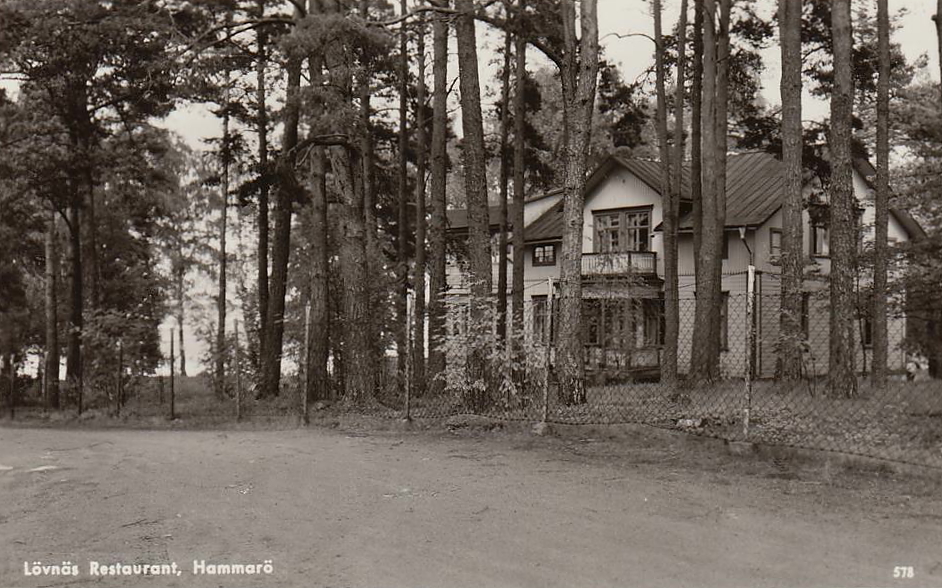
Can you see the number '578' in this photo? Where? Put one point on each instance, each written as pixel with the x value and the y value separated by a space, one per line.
pixel 903 572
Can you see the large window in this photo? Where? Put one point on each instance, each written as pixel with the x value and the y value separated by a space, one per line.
pixel 623 323
pixel 544 254
pixel 623 230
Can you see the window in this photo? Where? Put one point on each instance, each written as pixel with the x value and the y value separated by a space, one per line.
pixel 820 244
pixel 653 312
pixel 544 254
pixel 775 243
pixel 623 230
pixel 724 321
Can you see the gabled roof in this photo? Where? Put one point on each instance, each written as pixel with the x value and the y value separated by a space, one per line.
pixel 754 191
pixel 869 173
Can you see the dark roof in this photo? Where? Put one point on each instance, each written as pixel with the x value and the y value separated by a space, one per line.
pixel 458 218
pixel 754 189
pixel 548 226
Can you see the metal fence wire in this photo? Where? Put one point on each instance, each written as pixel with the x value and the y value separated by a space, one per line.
pixel 746 400
pixel 623 347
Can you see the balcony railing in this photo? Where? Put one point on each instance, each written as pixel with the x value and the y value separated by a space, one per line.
pixel 618 264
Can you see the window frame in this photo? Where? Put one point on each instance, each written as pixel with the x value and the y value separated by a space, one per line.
pixel 533 254
pixel 815 243
pixel 622 230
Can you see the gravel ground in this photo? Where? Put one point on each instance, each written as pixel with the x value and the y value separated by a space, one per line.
pixel 353 506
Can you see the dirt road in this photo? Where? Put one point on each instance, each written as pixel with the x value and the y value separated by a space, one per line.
pixel 330 508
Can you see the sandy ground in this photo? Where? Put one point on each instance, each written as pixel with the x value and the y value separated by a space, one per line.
pixel 421 509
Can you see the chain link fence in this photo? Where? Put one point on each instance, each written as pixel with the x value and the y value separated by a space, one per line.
pixel 746 400
pixel 623 347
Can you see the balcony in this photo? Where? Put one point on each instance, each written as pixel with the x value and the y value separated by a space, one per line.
pixel 639 263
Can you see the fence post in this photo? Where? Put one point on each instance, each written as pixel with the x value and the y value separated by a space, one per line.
pixel 409 358
pixel 172 360
pixel 306 365
pixel 119 392
pixel 548 328
pixel 238 368
pixel 750 344
pixel 12 362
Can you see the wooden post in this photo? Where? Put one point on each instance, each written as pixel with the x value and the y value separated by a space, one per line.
pixel 306 366
pixel 410 360
pixel 750 344
pixel 119 386
pixel 12 363
pixel 548 327
pixel 172 359
pixel 238 370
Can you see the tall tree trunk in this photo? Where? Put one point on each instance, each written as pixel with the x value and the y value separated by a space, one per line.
pixel 359 363
pixel 51 360
pixel 705 342
pixel 402 241
pixel 418 281
pixel 843 209
pixel 792 255
pixel 479 242
pixel 579 76
pixel 373 253
pixel 319 333
pixel 672 215
pixel 281 246
pixel 261 91
pixel 437 202
pixel 937 17
pixel 669 356
pixel 878 322
pixel 180 287
pixel 719 152
pixel 73 363
pixel 520 117
pixel 220 371
pixel 696 133
pixel 504 179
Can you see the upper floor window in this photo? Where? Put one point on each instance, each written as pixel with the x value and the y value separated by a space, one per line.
pixel 623 230
pixel 544 254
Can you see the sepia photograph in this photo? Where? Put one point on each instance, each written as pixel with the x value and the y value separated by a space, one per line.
pixel 471 293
